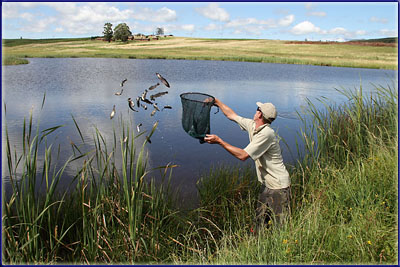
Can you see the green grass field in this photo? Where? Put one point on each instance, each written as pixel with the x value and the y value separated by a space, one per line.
pixel 250 50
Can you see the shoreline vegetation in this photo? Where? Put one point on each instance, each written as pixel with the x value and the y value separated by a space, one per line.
pixel 344 198
pixel 375 54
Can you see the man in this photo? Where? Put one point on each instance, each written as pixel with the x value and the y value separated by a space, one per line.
pixel 264 149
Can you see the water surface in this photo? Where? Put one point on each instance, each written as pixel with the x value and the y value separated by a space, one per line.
pixel 85 87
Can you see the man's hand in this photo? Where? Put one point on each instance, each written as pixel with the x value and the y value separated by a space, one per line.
pixel 235 151
pixel 212 139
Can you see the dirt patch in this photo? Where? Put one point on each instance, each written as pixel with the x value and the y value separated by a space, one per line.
pixel 344 43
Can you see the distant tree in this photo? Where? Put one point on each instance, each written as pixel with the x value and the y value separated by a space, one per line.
pixel 122 32
pixel 160 31
pixel 108 32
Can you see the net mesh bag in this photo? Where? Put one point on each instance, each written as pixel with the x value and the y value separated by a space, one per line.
pixel 196 114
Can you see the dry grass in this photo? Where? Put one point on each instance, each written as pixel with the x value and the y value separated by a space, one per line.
pixel 252 50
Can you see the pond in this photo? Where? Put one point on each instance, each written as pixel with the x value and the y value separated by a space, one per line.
pixel 86 87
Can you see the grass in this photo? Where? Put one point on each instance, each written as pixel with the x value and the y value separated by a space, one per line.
pixel 11 60
pixel 344 198
pixel 251 50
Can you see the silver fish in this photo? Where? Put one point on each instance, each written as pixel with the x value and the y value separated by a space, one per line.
pixel 138 101
pixel 138 127
pixel 153 112
pixel 143 96
pixel 155 106
pixel 131 104
pixel 122 83
pixel 119 93
pixel 167 107
pixel 162 79
pixel 125 139
pixel 112 113
pixel 152 97
pixel 147 101
pixel 154 86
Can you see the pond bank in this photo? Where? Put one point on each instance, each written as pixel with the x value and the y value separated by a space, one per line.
pixel 248 50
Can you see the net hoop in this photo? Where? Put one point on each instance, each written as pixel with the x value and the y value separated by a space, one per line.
pixel 185 95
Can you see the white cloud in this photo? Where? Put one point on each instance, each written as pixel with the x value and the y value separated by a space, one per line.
pixel 388 33
pixel 213 27
pixel 337 30
pixel 286 21
pixel 40 25
pixel 305 27
pixel 213 12
pixel 309 5
pixel 171 28
pixel 161 15
pixel 317 14
pixel 378 20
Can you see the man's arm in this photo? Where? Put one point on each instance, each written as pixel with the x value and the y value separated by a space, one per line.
pixel 235 151
pixel 229 113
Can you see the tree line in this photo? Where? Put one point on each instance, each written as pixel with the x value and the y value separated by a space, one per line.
pixel 122 32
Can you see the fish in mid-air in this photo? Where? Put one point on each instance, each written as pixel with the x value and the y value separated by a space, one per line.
pixel 154 86
pixel 138 127
pixel 153 97
pixel 162 79
pixel 153 112
pixel 131 104
pixel 119 93
pixel 156 107
pixel 122 83
pixel 167 107
pixel 112 113
pixel 138 101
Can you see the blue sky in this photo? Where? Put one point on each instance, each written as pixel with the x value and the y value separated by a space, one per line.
pixel 337 21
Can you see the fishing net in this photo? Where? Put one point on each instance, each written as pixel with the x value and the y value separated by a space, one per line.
pixel 196 114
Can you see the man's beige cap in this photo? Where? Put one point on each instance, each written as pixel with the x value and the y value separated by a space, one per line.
pixel 268 110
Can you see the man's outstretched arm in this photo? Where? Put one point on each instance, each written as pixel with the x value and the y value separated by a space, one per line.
pixel 229 113
pixel 235 151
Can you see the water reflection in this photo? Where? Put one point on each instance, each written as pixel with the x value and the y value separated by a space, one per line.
pixel 85 87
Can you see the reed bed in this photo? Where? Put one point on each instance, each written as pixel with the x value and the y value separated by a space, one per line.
pixel 111 212
pixel 344 193
pixel 344 198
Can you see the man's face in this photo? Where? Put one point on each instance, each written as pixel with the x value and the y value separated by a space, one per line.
pixel 257 115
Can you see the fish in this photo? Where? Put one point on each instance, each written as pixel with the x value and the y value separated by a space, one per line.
pixel 144 106
pixel 143 96
pixel 147 101
pixel 155 106
pixel 138 127
pixel 122 83
pixel 167 107
pixel 131 104
pixel 162 79
pixel 112 113
pixel 152 97
pixel 125 139
pixel 138 101
pixel 153 112
pixel 119 93
pixel 154 86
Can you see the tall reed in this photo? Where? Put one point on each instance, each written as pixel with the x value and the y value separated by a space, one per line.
pixel 113 210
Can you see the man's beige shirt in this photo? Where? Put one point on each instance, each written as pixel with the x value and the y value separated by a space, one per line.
pixel 264 149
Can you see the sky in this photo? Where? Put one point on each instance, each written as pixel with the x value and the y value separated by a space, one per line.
pixel 335 21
